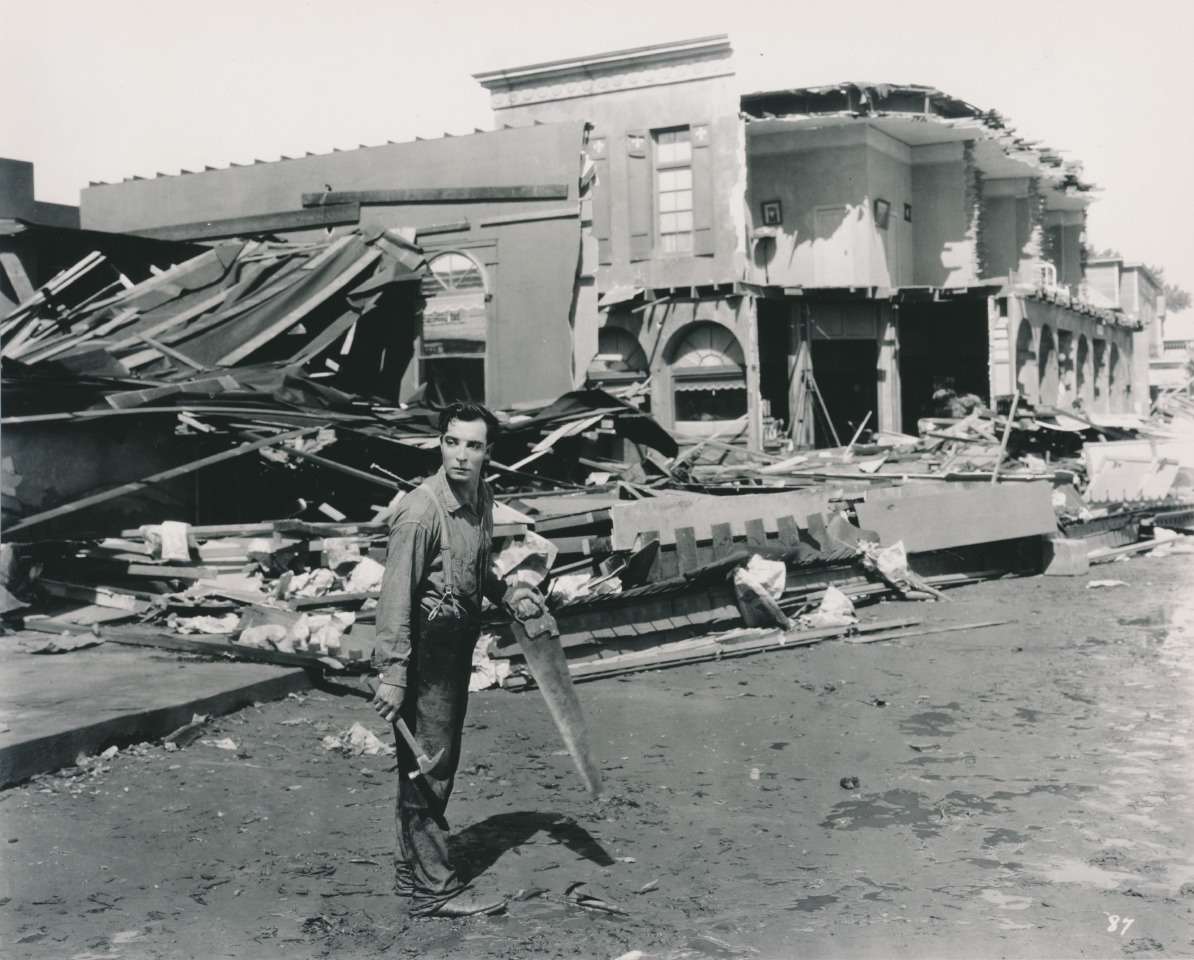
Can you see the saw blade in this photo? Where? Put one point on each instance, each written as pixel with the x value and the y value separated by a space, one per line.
pixel 548 665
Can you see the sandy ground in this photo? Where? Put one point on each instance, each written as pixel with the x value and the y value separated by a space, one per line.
pixel 1024 791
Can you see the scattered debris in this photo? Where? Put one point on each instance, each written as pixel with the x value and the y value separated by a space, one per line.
pixel 357 741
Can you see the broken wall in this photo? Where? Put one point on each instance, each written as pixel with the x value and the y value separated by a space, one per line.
pixel 526 243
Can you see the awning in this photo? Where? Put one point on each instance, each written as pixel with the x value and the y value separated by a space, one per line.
pixel 727 383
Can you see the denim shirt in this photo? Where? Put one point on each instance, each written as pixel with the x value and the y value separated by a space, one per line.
pixel 414 567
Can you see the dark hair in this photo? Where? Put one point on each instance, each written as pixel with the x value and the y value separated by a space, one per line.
pixel 467 410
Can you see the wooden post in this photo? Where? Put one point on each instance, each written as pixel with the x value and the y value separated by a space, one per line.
pixel 1007 432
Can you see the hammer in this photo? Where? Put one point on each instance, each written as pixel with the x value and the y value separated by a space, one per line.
pixel 426 764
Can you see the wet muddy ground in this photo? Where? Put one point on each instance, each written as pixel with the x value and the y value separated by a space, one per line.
pixel 1023 791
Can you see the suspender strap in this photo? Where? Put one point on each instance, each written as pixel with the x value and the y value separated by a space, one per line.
pixel 444 547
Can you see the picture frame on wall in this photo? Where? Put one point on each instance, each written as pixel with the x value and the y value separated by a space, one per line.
pixel 773 213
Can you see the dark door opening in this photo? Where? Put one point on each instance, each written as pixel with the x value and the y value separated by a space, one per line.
pixel 943 359
pixel 775 337
pixel 846 374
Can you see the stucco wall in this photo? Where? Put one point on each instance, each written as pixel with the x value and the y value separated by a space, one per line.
pixel 1006 223
pixel 812 171
pixel 613 114
pixel 943 243
pixel 807 170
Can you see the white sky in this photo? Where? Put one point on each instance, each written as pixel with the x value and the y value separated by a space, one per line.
pixel 104 89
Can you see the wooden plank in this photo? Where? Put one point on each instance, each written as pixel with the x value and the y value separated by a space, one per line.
pixel 756 534
pixel 723 540
pixel 16 275
pixel 294 316
pixel 543 191
pixel 735 643
pixel 331 600
pixel 70 342
pixel 224 649
pixel 669 563
pixel 930 517
pixel 789 532
pixel 91 594
pixel 686 550
pixel 656 569
pixel 126 488
pixel 326 337
pixel 527 216
pixel 326 215
pixel 815 524
pixel 173 354
pixel 163 325
pixel 455 226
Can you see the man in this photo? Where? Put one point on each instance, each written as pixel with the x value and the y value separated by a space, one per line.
pixel 428 622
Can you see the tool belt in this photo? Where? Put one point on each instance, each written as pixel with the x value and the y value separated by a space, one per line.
pixel 444 614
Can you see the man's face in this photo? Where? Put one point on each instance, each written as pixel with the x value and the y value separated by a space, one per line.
pixel 464 446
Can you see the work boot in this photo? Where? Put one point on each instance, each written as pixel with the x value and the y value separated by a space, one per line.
pixel 464 905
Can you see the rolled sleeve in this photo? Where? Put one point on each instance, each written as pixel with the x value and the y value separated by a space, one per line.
pixel 406 565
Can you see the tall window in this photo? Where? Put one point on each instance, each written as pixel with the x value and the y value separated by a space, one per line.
pixel 455 329
pixel 673 188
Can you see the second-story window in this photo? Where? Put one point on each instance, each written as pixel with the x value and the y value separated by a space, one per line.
pixel 673 189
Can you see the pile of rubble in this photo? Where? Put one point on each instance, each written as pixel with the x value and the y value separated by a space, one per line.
pixel 657 549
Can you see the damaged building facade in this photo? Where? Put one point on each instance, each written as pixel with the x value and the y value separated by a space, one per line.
pixel 813 260
pixel 498 215
pixel 787 265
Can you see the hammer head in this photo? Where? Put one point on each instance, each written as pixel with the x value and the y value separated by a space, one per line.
pixel 426 764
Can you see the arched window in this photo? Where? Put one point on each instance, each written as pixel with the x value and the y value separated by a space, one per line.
pixel 455 329
pixel 620 358
pixel 708 374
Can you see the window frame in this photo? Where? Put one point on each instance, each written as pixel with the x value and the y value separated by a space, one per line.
pixel 659 167
pixel 480 357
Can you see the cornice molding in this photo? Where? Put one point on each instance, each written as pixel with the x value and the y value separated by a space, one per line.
pixel 628 69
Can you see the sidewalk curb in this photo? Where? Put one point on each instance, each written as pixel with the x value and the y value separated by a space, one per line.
pixel 20 761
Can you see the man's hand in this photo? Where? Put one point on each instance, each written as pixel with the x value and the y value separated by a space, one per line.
pixel 387 698
pixel 524 602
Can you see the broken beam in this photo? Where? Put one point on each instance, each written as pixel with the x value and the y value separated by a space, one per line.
pixel 170 474
pixel 542 191
pixel 329 215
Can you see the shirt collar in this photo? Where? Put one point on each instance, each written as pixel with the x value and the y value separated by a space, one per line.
pixel 452 502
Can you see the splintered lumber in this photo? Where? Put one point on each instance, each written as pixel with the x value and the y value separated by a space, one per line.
pixel 101 596
pixel 222 648
pixel 1111 553
pixel 346 277
pixel 931 517
pixel 734 643
pixel 902 634
pixel 126 488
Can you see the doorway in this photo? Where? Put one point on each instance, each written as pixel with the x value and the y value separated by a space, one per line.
pixel 943 359
pixel 774 337
pixel 846 373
